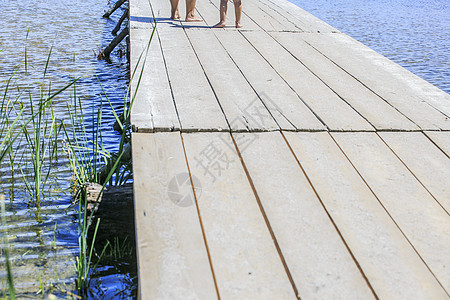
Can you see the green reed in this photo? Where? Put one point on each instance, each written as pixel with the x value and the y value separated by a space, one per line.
pixel 85 153
pixel 31 136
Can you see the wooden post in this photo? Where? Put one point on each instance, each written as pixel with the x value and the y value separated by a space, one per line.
pixel 122 18
pixel 112 9
pixel 105 53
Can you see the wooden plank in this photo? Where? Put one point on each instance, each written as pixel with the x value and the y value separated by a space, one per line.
pixel 161 11
pixel 394 84
pixel 290 202
pixel 197 107
pixel 304 20
pixel 245 260
pixel 210 13
pixel 401 78
pixel 418 215
pixel 141 15
pixel 283 103
pixel 378 112
pixel 278 13
pixel 392 267
pixel 267 18
pixel 425 161
pixel 441 139
pixel 264 19
pixel 172 257
pixel 153 108
pixel 243 109
pixel 331 109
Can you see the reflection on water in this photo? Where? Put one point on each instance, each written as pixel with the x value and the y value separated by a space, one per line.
pixel 413 33
pixel 44 239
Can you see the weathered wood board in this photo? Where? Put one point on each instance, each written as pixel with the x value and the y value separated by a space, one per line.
pixel 427 162
pixel 284 105
pixel 241 105
pixel 441 139
pixel 308 87
pixel 283 160
pixel 245 260
pixel 423 221
pixel 153 107
pixel 172 257
pixel 316 256
pixel 373 108
pixel 197 106
pixel 391 265
pixel 384 78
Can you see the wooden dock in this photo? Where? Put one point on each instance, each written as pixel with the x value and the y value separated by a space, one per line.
pixel 284 160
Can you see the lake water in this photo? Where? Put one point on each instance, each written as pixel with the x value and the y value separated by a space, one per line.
pixel 413 33
pixel 44 240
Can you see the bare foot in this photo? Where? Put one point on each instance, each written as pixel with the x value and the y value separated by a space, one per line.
pixel 238 25
pixel 219 25
pixel 175 15
pixel 193 19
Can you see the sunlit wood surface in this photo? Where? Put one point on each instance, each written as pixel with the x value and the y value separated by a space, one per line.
pixel 283 160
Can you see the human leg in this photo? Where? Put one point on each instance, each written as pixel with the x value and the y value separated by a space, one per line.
pixel 238 12
pixel 223 14
pixel 190 9
pixel 175 15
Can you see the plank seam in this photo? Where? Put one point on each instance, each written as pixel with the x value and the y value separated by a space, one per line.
pixel 206 76
pixel 437 146
pixel 390 216
pixel 284 17
pixel 165 65
pixel 331 218
pixel 423 185
pixel 339 96
pixel 200 219
pixel 266 219
pixel 332 29
pixel 248 81
pixel 370 88
pixel 282 78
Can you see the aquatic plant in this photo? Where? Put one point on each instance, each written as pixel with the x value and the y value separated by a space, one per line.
pixel 120 249
pixel 31 136
pixel 85 155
